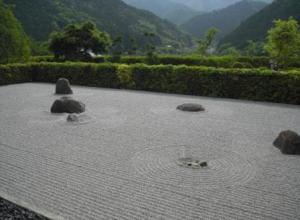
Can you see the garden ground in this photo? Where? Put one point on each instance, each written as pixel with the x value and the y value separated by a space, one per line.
pixel 121 160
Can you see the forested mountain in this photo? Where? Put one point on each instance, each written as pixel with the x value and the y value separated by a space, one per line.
pixel 256 27
pixel 175 12
pixel 209 5
pixel 14 44
pixel 226 20
pixel 41 17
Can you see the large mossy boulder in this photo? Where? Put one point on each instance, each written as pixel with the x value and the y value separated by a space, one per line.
pixel 288 142
pixel 67 105
pixel 63 87
pixel 190 107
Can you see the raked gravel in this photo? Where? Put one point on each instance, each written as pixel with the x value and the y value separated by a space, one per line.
pixel 121 160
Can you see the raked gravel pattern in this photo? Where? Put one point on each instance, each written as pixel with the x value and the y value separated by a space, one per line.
pixel 121 160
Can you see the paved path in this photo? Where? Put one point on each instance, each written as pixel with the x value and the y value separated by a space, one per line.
pixel 120 161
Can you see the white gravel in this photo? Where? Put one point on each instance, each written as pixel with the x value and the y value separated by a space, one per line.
pixel 121 160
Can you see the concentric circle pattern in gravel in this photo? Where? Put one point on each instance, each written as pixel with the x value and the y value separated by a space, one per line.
pixel 160 164
pixel 121 160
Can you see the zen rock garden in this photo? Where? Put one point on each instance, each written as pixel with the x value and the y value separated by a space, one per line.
pixel 120 154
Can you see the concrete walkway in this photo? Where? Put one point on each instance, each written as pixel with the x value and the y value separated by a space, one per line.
pixel 120 160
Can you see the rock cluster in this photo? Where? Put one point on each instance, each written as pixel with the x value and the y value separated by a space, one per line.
pixel 288 142
pixel 63 87
pixel 190 107
pixel 67 105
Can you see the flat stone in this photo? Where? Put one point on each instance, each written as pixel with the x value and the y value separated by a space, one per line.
pixel 73 118
pixel 63 87
pixel 190 107
pixel 67 105
pixel 288 142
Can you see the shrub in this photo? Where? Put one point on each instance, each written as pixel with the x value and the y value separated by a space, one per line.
pixel 252 84
pixel 15 73
pixel 124 73
pixel 239 65
pixel 220 62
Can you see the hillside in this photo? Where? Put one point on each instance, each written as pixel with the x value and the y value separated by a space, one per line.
pixel 209 5
pixel 40 18
pixel 226 20
pixel 166 9
pixel 255 28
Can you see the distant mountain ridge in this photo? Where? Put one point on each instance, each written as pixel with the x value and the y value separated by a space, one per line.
pixel 40 18
pixel 225 20
pixel 167 9
pixel 256 27
pixel 210 5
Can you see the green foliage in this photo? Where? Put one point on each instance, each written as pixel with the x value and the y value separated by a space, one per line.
pixel 205 44
pixel 116 49
pixel 39 48
pixel 77 42
pixel 14 44
pixel 252 84
pixel 189 60
pixel 254 49
pixel 224 61
pixel 124 73
pixel 240 65
pixel 151 57
pixel 42 17
pixel 228 50
pixel 133 47
pixel 283 41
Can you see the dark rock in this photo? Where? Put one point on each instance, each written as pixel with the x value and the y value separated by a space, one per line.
pixel 190 107
pixel 288 142
pixel 72 118
pixel 203 164
pixel 67 105
pixel 63 87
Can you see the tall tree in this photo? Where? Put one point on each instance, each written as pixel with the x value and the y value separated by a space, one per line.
pixel 78 42
pixel 283 41
pixel 14 44
pixel 204 45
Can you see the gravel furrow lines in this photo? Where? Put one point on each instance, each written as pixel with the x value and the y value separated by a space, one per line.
pixel 265 211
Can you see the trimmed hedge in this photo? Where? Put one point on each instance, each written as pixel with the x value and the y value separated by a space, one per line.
pixel 220 62
pixel 252 84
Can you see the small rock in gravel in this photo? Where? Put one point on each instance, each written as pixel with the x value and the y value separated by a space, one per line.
pixel 72 118
pixel 190 107
pixel 63 87
pixel 288 142
pixel 203 164
pixel 67 105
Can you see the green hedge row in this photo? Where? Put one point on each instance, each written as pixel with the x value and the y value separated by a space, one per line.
pixel 252 84
pixel 221 62
pixel 224 62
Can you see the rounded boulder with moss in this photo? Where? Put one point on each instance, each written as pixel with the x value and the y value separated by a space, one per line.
pixel 67 105
pixel 63 87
